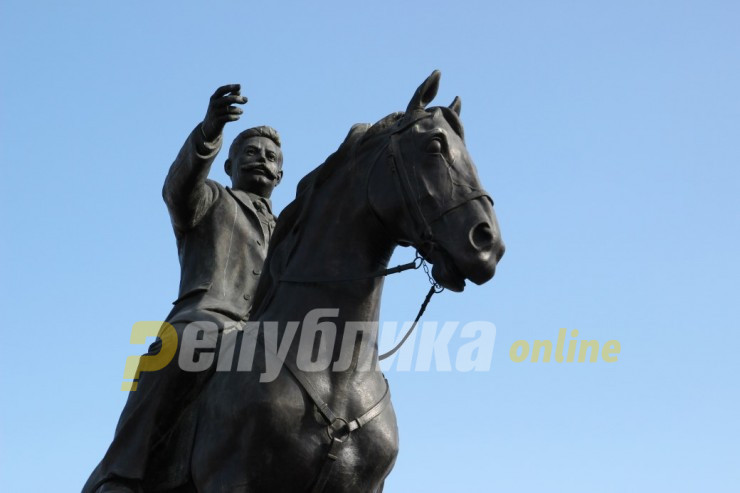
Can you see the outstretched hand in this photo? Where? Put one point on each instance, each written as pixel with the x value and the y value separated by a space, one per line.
pixel 220 110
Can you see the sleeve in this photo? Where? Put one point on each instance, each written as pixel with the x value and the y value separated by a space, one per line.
pixel 187 192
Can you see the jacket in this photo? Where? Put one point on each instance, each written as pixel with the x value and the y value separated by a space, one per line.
pixel 222 237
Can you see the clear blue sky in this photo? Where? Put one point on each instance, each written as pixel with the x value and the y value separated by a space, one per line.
pixel 608 133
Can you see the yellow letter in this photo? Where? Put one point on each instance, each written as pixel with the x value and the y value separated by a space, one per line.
pixel 136 364
pixel 610 347
pixel 559 346
pixel 536 350
pixel 515 349
pixel 594 345
pixel 572 347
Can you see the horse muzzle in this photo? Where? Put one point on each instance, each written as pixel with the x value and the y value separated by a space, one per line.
pixel 469 245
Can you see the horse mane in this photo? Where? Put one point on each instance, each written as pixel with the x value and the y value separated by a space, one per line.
pixel 286 235
pixel 382 125
pixel 388 123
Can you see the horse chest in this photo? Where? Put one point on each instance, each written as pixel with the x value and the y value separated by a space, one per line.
pixel 296 436
pixel 290 436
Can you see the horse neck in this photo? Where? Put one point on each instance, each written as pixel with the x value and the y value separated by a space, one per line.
pixel 341 238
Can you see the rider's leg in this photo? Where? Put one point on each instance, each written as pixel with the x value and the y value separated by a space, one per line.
pixel 148 414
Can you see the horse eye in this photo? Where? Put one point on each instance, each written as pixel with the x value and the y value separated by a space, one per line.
pixel 435 146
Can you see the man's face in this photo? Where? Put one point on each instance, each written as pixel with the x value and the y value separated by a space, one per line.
pixel 257 168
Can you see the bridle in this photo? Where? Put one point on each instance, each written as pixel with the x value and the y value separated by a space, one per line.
pixel 424 236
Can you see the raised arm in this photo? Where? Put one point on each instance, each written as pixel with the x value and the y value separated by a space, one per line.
pixel 185 190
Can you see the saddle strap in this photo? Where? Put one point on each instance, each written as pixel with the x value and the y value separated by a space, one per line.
pixel 339 431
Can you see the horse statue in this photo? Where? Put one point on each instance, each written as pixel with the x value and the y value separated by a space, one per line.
pixel 406 180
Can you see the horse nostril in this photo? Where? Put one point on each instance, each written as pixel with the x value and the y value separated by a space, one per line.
pixel 481 236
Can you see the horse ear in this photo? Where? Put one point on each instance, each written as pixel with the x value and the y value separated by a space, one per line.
pixel 456 105
pixel 425 93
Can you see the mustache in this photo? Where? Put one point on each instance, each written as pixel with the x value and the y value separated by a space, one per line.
pixel 261 167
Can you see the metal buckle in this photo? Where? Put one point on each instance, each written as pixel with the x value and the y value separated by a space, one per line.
pixel 336 426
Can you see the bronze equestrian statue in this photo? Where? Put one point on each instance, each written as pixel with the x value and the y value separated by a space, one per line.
pixel 330 427
pixel 406 180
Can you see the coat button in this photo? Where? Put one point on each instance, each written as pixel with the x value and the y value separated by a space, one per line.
pixel 247 297
pixel 256 272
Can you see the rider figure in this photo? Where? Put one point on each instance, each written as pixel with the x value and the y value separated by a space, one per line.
pixel 222 236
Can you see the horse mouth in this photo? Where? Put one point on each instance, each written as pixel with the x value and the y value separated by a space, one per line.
pixel 445 272
pixel 451 272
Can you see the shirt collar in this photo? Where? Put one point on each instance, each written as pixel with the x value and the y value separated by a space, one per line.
pixel 256 199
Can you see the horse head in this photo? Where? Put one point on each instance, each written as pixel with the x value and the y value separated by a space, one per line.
pixel 426 192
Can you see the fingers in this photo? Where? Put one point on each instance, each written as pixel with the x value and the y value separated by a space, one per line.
pixel 220 109
pixel 232 111
pixel 228 114
pixel 232 100
pixel 228 88
pixel 226 108
pixel 224 104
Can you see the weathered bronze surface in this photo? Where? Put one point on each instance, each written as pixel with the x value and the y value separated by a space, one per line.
pixel 406 180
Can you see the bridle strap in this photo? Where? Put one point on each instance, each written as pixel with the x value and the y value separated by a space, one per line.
pixel 411 202
pixel 410 199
